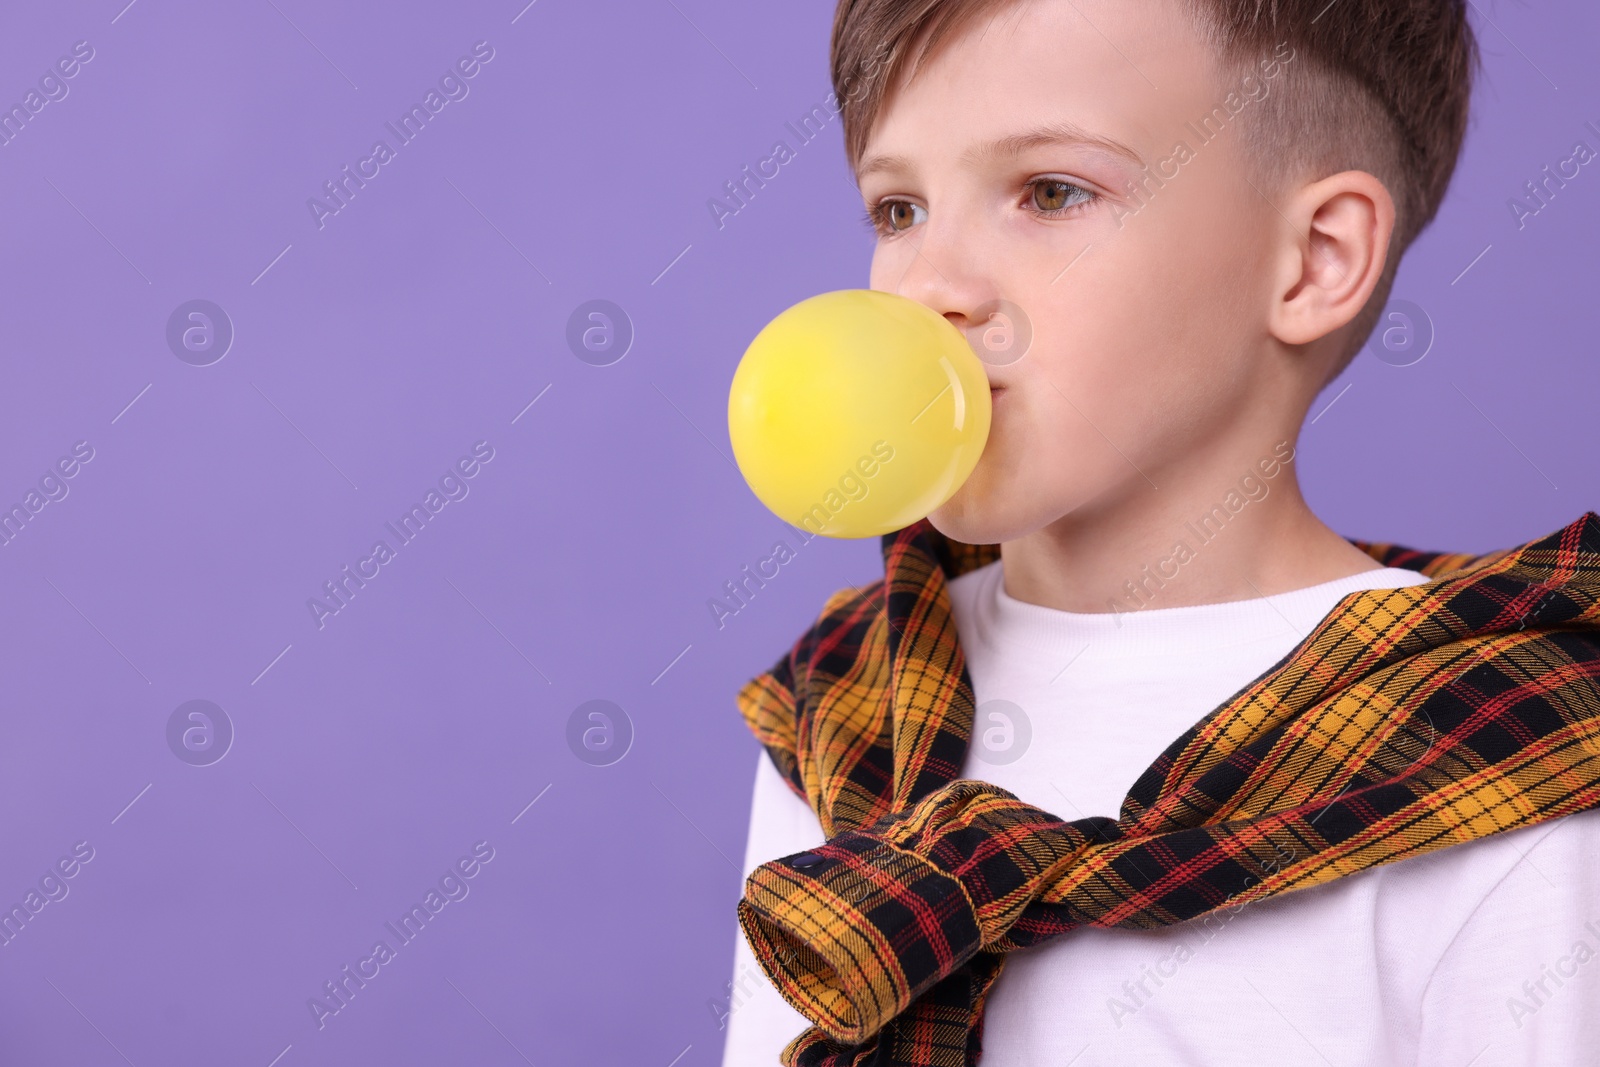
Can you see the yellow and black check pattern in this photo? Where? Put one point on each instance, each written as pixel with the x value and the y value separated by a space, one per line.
pixel 1409 720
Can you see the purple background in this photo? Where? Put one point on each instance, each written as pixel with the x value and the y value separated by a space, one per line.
pixel 371 353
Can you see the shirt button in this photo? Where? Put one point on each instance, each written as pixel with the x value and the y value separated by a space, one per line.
pixel 806 860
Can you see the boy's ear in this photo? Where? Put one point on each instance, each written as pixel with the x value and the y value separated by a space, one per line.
pixel 1333 255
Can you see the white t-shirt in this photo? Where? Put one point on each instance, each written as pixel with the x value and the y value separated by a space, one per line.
pixel 1484 953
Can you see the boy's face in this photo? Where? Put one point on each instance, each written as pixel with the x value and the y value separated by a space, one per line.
pixel 1149 339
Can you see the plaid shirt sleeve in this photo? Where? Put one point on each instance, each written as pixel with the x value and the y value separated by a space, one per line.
pixel 856 930
pixel 769 704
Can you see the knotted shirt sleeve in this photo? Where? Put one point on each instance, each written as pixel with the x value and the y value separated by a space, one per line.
pixel 852 932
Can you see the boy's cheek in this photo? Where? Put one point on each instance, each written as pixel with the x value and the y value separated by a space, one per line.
pixel 1048 460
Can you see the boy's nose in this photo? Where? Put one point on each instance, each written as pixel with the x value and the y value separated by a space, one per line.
pixel 940 284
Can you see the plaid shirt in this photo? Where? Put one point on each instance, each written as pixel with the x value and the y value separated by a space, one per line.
pixel 1408 720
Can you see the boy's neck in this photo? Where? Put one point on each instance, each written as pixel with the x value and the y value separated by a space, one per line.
pixel 1178 547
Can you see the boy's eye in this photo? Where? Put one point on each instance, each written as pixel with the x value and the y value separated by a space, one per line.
pixel 1053 194
pixel 900 215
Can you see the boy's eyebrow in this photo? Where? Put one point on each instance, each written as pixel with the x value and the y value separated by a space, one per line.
pixel 1055 133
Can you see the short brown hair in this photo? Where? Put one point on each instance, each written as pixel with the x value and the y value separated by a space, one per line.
pixel 1384 87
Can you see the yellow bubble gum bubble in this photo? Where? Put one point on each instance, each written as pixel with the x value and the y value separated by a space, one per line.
pixel 857 412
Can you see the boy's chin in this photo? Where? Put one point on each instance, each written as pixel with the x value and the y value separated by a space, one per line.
pixel 967 519
pixel 995 505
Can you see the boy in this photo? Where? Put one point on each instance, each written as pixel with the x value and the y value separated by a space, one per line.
pixel 1124 716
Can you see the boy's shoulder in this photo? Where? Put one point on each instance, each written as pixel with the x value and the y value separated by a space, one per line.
pixel 919 562
pixel 905 615
pixel 842 711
